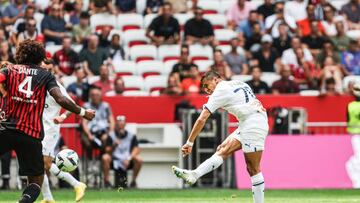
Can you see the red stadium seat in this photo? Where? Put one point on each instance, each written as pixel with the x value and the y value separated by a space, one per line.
pixel 130 22
pixel 169 52
pixel 155 83
pixel 135 38
pixel 148 68
pixel 223 36
pixel 125 68
pixel 209 7
pixel 98 21
pixel 133 82
pixel 199 52
pixel 218 21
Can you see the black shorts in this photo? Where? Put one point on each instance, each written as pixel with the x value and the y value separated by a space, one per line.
pixel 28 151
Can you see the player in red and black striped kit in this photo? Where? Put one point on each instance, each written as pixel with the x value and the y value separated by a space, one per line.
pixel 26 85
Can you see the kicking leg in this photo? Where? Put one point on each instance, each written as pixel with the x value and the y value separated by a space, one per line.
pixel 253 167
pixel 226 149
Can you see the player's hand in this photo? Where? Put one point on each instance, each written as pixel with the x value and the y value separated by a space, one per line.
pixel 89 114
pixel 59 119
pixel 186 150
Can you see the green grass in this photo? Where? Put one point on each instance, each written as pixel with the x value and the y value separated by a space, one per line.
pixel 200 195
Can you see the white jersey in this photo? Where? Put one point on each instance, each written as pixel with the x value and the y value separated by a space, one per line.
pixel 237 98
pixel 51 110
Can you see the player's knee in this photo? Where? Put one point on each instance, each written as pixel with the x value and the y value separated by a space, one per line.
pixel 47 163
pixel 252 170
pixel 106 158
pixel 223 152
pixel 138 160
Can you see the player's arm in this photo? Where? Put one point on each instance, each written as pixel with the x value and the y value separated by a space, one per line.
pixel 198 126
pixel 67 104
pixel 66 114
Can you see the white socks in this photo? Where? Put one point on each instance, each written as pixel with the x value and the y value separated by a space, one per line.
pixel 258 187
pixel 208 165
pixel 63 175
pixel 45 189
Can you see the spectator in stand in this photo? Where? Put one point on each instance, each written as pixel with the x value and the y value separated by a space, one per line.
pixel 104 37
pixel 296 9
pixel 5 52
pixel 221 66
pixel 350 58
pixel 82 31
pixel 54 26
pixel 93 56
pixel 331 69
pixel 282 42
pixel 330 88
pixel 119 87
pixel 103 6
pixel 289 55
pixel 285 85
pixel 125 6
pixel 30 31
pixel 13 11
pixel 126 153
pixel 2 34
pixel 179 6
pixel 315 41
pixel 105 83
pixel 173 86
pixel 320 5
pixel 199 30
pixel 257 85
pixel 117 53
pixel 66 59
pixel 340 40
pixel 330 20
pixel 165 27
pixel 79 89
pixel 252 42
pixel 96 132
pixel 267 58
pixel 237 61
pixel 191 85
pixel 272 22
pixel 20 24
pixel 239 12
pixel 246 26
pixel 327 50
pixel 301 71
pixel 305 24
pixel 153 6
pixel 266 9
pixel 351 11
pixel 182 68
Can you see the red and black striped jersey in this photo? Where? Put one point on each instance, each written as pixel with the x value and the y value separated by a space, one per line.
pixel 26 86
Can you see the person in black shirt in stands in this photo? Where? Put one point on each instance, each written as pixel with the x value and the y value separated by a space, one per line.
pixel 165 28
pixel 266 9
pixel 267 57
pixel 198 29
pixel 282 42
pixel 257 85
pixel 182 69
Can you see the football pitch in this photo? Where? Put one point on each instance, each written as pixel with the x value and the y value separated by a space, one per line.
pixel 199 195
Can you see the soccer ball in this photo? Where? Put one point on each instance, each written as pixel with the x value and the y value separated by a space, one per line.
pixel 67 160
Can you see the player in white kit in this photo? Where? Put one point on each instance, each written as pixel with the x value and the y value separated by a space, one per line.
pixel 238 99
pixel 51 121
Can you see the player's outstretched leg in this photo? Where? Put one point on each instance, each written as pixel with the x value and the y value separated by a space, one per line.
pixel 226 149
pixel 45 189
pixel 78 186
pixel 253 167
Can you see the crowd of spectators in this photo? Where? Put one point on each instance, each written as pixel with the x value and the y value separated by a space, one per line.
pixel 304 42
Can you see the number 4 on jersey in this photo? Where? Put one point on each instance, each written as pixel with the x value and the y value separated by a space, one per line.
pixel 26 82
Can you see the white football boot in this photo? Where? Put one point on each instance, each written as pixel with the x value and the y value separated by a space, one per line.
pixel 187 175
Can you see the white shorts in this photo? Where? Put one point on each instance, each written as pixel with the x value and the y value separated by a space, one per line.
pixel 49 143
pixel 252 133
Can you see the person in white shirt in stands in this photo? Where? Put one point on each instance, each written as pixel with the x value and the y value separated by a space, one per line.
pixel 289 56
pixel 238 99
pixel 296 9
pixel 272 22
